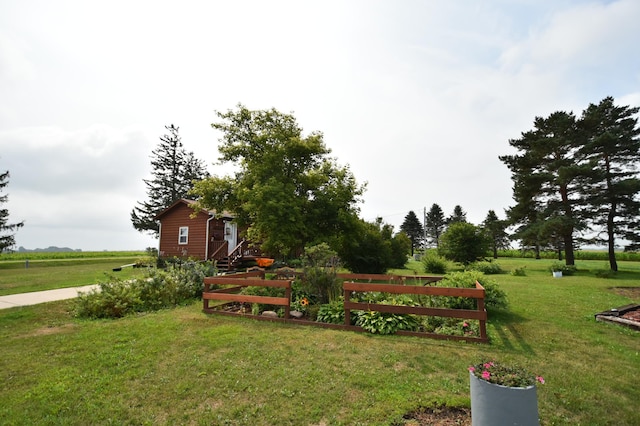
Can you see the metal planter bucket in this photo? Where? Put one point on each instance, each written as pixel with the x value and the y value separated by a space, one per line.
pixel 493 404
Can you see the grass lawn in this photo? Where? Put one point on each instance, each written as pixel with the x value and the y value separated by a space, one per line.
pixel 15 277
pixel 181 366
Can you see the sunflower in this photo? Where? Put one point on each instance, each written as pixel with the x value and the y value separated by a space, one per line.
pixel 304 301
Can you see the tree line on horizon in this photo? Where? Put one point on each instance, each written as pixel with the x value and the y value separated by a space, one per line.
pixel 575 180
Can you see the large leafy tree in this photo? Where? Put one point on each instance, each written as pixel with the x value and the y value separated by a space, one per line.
pixel 7 230
pixel 547 181
pixel 495 230
pixel 174 171
pixel 612 152
pixel 463 242
pixel 287 191
pixel 371 247
pixel 435 224
pixel 413 229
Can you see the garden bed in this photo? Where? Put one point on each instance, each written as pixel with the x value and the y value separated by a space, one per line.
pixel 628 315
pixel 226 291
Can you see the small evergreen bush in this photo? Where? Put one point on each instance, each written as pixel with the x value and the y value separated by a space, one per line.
pixel 434 264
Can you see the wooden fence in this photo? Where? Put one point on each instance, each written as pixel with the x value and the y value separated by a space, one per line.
pixel 376 283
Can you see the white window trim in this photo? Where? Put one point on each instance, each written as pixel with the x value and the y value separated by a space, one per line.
pixel 183 235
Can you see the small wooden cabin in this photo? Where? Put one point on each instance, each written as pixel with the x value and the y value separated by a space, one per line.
pixel 203 236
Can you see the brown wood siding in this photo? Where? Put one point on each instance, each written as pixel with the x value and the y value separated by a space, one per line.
pixel 171 222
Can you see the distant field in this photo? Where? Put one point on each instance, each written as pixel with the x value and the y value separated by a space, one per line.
pixel 68 255
pixel 46 274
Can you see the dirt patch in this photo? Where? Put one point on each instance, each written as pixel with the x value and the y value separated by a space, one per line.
pixel 632 293
pixel 439 416
pixel 632 315
pixel 51 330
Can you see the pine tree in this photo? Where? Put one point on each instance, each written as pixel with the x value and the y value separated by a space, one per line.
pixel 413 228
pixel 612 152
pixel 174 172
pixel 458 216
pixel 7 237
pixel 495 229
pixel 435 224
pixel 548 175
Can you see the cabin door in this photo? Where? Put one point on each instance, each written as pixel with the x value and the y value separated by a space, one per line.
pixel 231 235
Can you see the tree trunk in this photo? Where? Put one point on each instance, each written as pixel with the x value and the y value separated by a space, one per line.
pixel 613 264
pixel 568 251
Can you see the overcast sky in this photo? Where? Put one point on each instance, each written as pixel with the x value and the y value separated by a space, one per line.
pixel 419 98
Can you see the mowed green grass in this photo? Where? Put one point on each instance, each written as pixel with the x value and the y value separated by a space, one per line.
pixel 16 277
pixel 183 367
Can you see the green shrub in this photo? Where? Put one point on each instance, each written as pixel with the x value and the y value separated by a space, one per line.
pixel 320 280
pixel 384 322
pixel 434 264
pixel 266 292
pixel 564 268
pixel 494 297
pixel 519 271
pixel 158 290
pixel 332 312
pixel 487 268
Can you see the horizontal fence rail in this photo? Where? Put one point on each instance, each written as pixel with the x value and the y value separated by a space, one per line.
pixel 477 293
pixel 231 286
pixel 230 294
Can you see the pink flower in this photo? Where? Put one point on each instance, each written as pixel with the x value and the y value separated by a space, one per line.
pixel 465 324
pixel 472 369
pixel 488 365
pixel 540 379
pixel 486 375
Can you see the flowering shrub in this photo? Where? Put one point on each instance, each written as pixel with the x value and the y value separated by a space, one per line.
pixel 511 376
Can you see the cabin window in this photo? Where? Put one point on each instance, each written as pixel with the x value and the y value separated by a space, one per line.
pixel 183 235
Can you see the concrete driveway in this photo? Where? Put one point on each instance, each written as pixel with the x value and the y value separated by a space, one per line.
pixel 33 298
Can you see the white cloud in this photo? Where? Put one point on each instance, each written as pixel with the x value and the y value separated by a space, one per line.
pixel 418 98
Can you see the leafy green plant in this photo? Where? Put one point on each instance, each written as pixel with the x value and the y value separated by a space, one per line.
pixel 332 312
pixel 320 278
pixel 451 326
pixel 494 297
pixel 519 271
pixel 264 291
pixel 487 268
pixel 505 375
pixel 384 322
pixel 562 267
pixel 434 264
pixel 157 290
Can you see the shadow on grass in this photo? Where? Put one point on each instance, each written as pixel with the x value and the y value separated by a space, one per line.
pixel 502 325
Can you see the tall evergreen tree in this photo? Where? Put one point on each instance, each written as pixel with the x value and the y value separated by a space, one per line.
pixel 495 230
pixel 547 170
pixel 414 230
pixel 435 224
pixel 7 236
pixel 458 216
pixel 612 152
pixel 174 171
